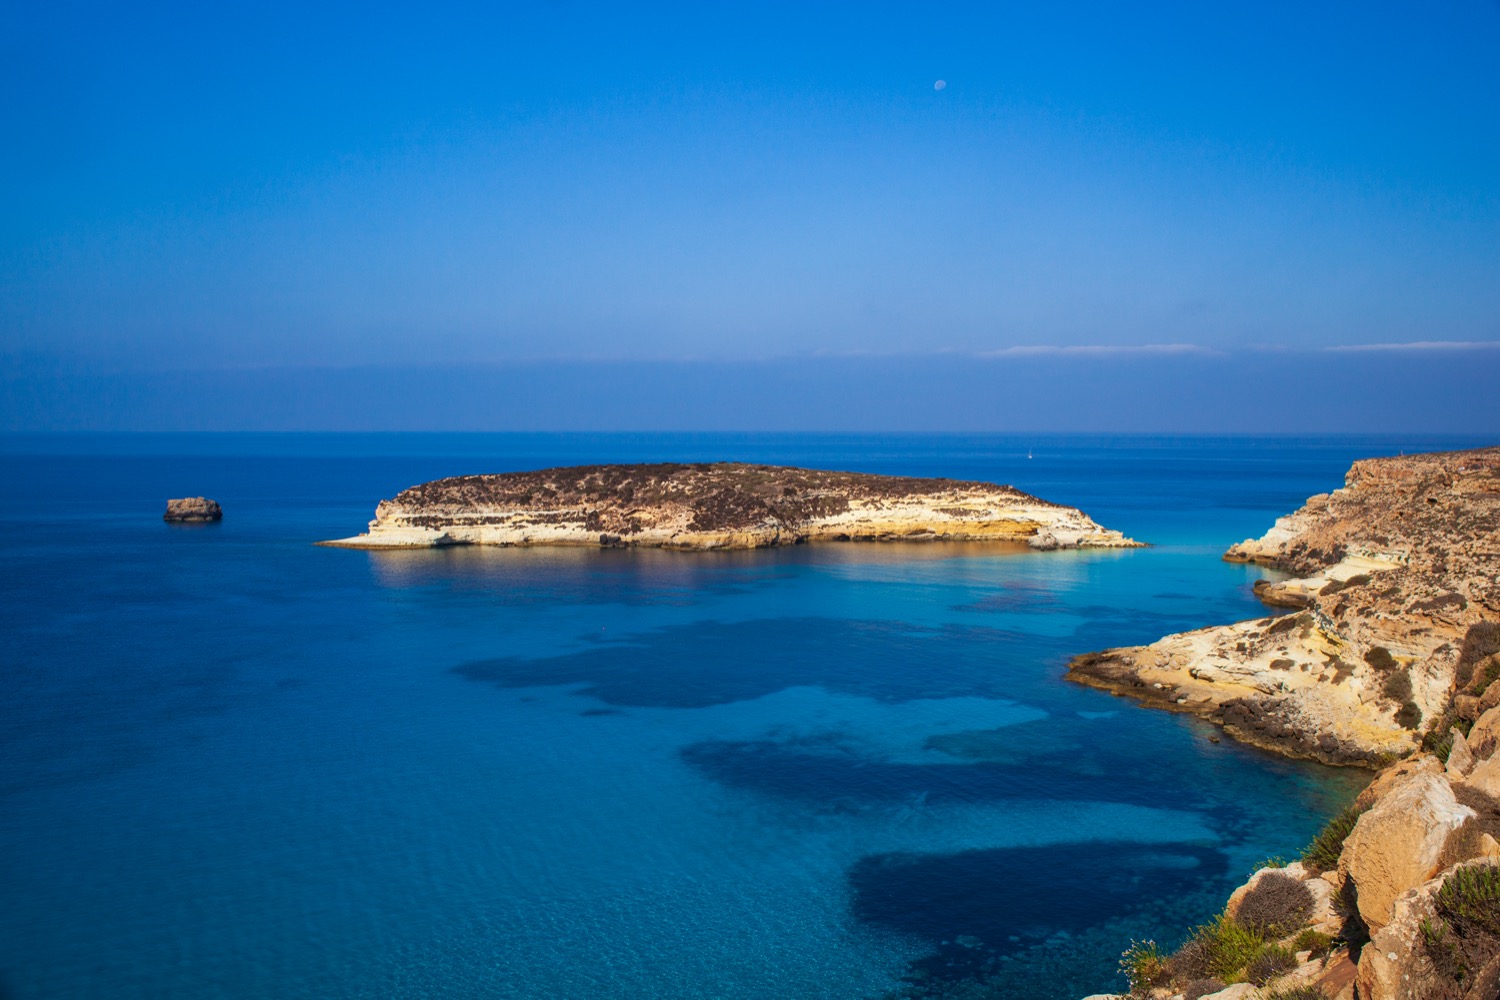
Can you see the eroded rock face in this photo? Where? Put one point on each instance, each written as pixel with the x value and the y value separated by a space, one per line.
pixel 718 506
pixel 191 509
pixel 1398 590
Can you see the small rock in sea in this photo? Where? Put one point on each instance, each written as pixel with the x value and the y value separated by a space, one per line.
pixel 1213 739
pixel 193 509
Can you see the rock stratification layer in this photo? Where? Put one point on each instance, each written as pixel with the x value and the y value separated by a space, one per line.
pixel 1396 578
pixel 723 505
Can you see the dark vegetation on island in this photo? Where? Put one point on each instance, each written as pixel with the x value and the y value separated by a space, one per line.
pixel 722 495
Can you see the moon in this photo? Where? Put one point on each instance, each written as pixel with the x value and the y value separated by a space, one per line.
pixel 939 85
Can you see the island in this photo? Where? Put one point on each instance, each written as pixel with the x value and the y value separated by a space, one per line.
pixel 719 505
pixel 192 510
pixel 1388 657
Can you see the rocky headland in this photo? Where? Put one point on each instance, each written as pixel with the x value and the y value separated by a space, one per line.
pixel 722 505
pixel 1390 659
pixel 1394 582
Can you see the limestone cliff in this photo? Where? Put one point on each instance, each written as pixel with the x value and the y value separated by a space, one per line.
pixel 724 505
pixel 1396 578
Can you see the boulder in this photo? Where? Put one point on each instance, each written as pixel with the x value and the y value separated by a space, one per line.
pixel 191 509
pixel 1393 954
pixel 1394 847
pixel 1394 776
pixel 1460 758
pixel 1485 777
pixel 1485 736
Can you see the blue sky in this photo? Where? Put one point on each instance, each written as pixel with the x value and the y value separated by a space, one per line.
pixel 389 202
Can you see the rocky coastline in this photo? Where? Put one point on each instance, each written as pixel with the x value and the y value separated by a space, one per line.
pixel 1388 659
pixel 722 505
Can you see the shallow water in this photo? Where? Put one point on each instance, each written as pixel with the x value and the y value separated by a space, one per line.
pixel 238 765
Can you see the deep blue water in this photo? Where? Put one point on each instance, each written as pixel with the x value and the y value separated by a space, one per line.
pixel 234 764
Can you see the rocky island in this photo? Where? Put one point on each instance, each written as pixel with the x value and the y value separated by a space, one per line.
pixel 192 510
pixel 1392 651
pixel 721 505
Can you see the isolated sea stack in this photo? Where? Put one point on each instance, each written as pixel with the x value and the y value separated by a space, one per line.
pixel 723 505
pixel 193 510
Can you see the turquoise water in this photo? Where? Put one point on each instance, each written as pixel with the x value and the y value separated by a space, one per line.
pixel 238 765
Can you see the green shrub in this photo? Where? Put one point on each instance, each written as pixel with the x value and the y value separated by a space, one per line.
pixel 1144 967
pixel 1274 861
pixel 1278 905
pixel 1410 715
pixel 1397 686
pixel 1323 852
pixel 1438 740
pixel 1470 899
pixel 1314 941
pixel 1272 961
pixel 1380 658
pixel 1224 947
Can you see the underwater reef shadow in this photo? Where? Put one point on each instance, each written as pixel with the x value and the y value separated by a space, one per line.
pixel 713 663
pixel 976 907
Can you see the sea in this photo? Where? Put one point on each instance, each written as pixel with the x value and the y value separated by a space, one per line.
pixel 234 764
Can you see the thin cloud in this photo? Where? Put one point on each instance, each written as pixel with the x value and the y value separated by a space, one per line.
pixel 1421 345
pixel 1095 350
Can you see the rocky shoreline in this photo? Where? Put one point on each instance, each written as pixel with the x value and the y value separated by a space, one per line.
pixel 722 505
pixel 1389 659
pixel 1389 575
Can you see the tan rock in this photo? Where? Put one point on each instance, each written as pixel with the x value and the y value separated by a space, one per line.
pixel 1484 738
pixel 1338 977
pixel 1385 963
pixel 1394 964
pixel 1460 758
pixel 1395 776
pixel 1394 847
pixel 1489 847
pixel 1239 991
pixel 1485 777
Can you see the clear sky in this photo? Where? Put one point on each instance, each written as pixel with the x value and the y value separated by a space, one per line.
pixel 353 217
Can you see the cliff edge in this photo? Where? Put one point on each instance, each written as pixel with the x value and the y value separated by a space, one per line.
pixel 1396 582
pixel 723 505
